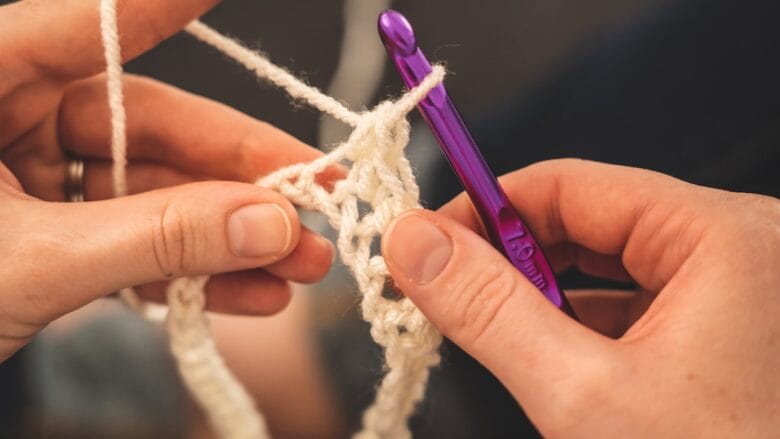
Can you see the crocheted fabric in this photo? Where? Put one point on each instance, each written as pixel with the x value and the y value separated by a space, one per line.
pixel 378 187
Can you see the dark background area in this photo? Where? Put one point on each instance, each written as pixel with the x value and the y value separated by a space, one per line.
pixel 687 87
pixel 493 49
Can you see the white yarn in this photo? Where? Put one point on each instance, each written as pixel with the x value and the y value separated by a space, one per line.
pixel 280 77
pixel 361 63
pixel 224 400
pixel 379 176
pixel 113 54
pixel 226 403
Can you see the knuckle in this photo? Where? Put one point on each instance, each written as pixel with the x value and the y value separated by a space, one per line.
pixel 245 146
pixel 764 206
pixel 479 296
pixel 751 220
pixel 760 223
pixel 564 162
pixel 175 241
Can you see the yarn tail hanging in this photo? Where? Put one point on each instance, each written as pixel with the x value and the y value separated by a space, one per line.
pixel 226 403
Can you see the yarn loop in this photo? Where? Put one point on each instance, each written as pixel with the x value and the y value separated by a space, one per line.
pixel 379 186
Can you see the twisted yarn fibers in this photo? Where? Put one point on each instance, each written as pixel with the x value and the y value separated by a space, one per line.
pixel 229 408
pixel 379 176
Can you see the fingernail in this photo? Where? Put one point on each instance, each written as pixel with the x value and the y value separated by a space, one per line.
pixel 418 248
pixel 259 230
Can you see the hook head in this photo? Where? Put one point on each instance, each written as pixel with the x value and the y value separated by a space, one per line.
pixel 397 33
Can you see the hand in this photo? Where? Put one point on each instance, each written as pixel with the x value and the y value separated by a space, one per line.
pixel 58 256
pixel 701 353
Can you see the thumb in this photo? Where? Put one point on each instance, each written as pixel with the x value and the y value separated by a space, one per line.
pixel 482 303
pixel 193 229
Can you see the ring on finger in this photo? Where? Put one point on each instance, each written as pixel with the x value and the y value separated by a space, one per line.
pixel 74 180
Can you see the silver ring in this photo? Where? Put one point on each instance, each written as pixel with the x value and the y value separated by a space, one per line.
pixel 74 181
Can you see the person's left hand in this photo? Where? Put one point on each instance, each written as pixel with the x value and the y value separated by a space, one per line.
pixel 53 106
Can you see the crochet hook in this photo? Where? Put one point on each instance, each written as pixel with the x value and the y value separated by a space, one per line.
pixel 506 230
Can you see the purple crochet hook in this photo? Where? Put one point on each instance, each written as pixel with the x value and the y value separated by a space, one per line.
pixel 504 226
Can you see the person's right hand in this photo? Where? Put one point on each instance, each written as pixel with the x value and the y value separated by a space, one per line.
pixel 697 348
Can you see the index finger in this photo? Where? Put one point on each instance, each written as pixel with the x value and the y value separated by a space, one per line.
pixel 647 218
pixel 176 128
pixel 61 38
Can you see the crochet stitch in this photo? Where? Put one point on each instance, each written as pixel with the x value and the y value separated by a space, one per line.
pixel 379 176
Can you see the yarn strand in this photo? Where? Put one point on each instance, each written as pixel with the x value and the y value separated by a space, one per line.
pixel 379 175
pixel 280 77
pixel 110 33
pixel 225 401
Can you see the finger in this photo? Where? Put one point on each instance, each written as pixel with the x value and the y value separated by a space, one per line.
pixel 61 39
pixel 560 254
pixel 608 312
pixel 477 299
pixel 46 183
pixel 248 292
pixel 141 177
pixel 565 255
pixel 309 261
pixel 647 217
pixel 179 129
pixel 8 180
pixel 199 228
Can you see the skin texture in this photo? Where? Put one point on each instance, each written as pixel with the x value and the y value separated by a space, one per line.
pixel 693 353
pixel 59 256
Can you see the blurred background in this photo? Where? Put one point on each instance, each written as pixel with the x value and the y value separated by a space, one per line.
pixel 686 87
